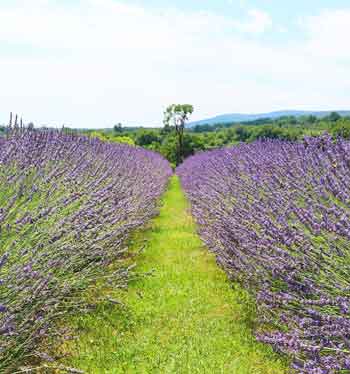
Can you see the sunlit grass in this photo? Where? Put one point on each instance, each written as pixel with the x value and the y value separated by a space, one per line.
pixel 185 318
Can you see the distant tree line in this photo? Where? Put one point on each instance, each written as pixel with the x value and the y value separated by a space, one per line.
pixel 175 145
pixel 165 140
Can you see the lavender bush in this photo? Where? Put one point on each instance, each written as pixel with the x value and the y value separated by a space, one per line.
pixel 277 216
pixel 67 204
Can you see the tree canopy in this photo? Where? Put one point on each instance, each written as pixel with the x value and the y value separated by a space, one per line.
pixel 176 115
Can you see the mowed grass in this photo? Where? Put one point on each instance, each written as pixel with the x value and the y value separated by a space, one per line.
pixel 184 318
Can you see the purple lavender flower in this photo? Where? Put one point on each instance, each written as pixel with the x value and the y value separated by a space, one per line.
pixel 277 216
pixel 68 204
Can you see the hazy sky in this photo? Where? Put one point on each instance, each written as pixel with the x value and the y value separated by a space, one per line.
pixel 93 63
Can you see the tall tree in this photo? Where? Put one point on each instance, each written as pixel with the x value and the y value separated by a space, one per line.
pixel 334 117
pixel 118 127
pixel 176 115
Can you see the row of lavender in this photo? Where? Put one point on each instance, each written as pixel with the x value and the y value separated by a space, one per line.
pixel 277 216
pixel 67 204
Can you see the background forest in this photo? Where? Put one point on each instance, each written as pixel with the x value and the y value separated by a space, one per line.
pixel 204 137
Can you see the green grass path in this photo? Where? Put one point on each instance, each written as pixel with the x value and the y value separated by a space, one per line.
pixel 185 318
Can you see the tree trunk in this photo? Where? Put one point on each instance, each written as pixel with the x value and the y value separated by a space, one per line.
pixel 181 144
pixel 179 153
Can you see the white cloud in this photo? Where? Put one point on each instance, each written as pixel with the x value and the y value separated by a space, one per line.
pixel 259 21
pixel 328 33
pixel 107 61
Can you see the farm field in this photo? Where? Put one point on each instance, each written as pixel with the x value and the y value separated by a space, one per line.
pixel 185 318
pixel 277 216
pixel 68 204
pixel 174 187
pixel 246 273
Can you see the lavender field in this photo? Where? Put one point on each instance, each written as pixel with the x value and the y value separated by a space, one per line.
pixel 276 214
pixel 67 205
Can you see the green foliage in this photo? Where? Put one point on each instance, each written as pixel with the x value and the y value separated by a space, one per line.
pixel 147 137
pixel 165 140
pixel 98 134
pixel 122 139
pixel 112 137
pixel 311 119
pixel 242 133
pixel 273 132
pixel 168 148
pixel 176 115
pixel 118 128
pixel 334 117
pixel 341 128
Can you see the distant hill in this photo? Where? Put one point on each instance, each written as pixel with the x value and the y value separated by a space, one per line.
pixel 239 117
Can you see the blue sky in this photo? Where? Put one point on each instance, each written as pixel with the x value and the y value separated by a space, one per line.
pixel 235 7
pixel 94 63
